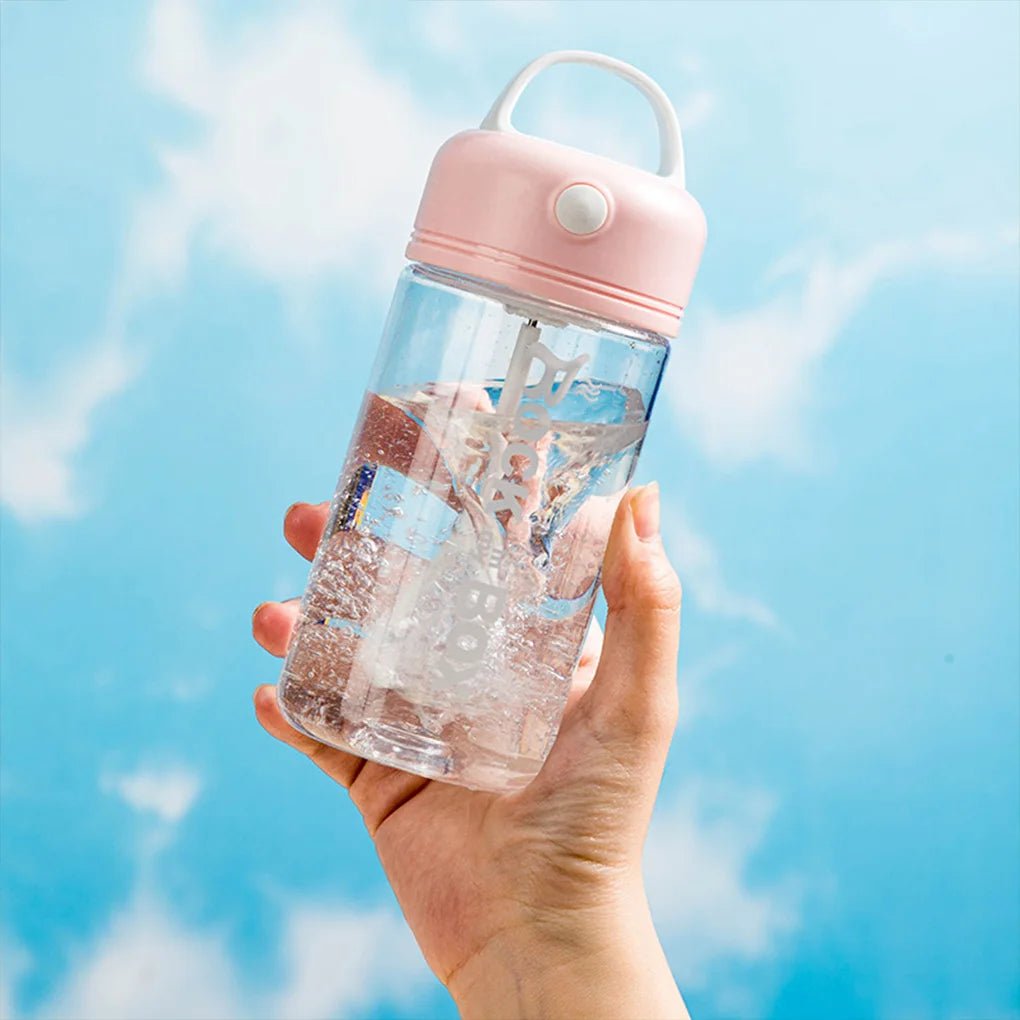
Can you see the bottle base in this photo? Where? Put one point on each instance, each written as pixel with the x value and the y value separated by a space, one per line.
pixel 424 755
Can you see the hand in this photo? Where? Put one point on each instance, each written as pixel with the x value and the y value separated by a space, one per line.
pixel 532 903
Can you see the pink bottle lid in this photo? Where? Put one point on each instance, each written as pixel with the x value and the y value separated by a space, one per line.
pixel 562 224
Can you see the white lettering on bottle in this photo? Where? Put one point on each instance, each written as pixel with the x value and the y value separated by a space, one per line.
pixel 499 494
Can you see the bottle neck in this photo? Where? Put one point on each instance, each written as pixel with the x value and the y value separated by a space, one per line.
pixel 530 307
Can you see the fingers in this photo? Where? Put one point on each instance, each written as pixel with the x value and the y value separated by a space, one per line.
pixel 337 764
pixel 272 624
pixel 633 695
pixel 303 525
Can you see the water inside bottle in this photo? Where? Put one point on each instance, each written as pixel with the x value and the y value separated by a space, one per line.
pixel 433 630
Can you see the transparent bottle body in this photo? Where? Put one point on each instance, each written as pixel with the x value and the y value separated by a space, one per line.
pixel 454 584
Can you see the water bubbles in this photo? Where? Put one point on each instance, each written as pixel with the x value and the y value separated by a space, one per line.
pixel 368 651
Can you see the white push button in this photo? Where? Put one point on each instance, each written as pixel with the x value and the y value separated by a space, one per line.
pixel 581 209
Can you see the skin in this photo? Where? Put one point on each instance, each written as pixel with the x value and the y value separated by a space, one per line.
pixel 532 903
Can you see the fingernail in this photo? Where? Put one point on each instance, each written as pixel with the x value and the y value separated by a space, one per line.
pixel 644 505
pixel 258 609
pixel 292 508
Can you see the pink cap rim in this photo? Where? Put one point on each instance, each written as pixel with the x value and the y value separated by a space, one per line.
pixel 545 280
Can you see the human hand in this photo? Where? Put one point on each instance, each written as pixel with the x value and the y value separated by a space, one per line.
pixel 532 903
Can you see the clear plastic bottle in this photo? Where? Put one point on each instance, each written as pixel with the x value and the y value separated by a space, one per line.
pixel 450 596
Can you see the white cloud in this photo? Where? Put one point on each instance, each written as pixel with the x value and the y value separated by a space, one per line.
pixel 310 160
pixel 344 959
pixel 148 963
pixel 452 29
pixel 696 109
pixel 183 686
pixel 707 911
pixel 15 963
pixel 443 29
pixel 697 563
pixel 696 679
pixel 168 793
pixel 44 427
pixel 742 382
pixel 525 11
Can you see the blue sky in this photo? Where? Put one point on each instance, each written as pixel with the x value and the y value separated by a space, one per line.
pixel 204 210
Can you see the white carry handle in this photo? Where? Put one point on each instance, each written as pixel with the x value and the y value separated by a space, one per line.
pixel 671 147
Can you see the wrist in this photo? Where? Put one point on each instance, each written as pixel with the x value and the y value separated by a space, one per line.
pixel 607 965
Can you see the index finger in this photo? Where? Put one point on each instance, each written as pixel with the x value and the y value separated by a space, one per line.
pixel 338 765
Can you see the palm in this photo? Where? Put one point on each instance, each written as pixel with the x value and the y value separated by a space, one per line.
pixel 466 864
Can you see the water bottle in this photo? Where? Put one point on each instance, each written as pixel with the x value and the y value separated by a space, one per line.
pixel 455 581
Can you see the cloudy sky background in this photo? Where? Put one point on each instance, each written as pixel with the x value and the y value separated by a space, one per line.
pixel 204 209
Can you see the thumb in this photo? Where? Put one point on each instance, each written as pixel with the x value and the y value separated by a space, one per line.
pixel 633 696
